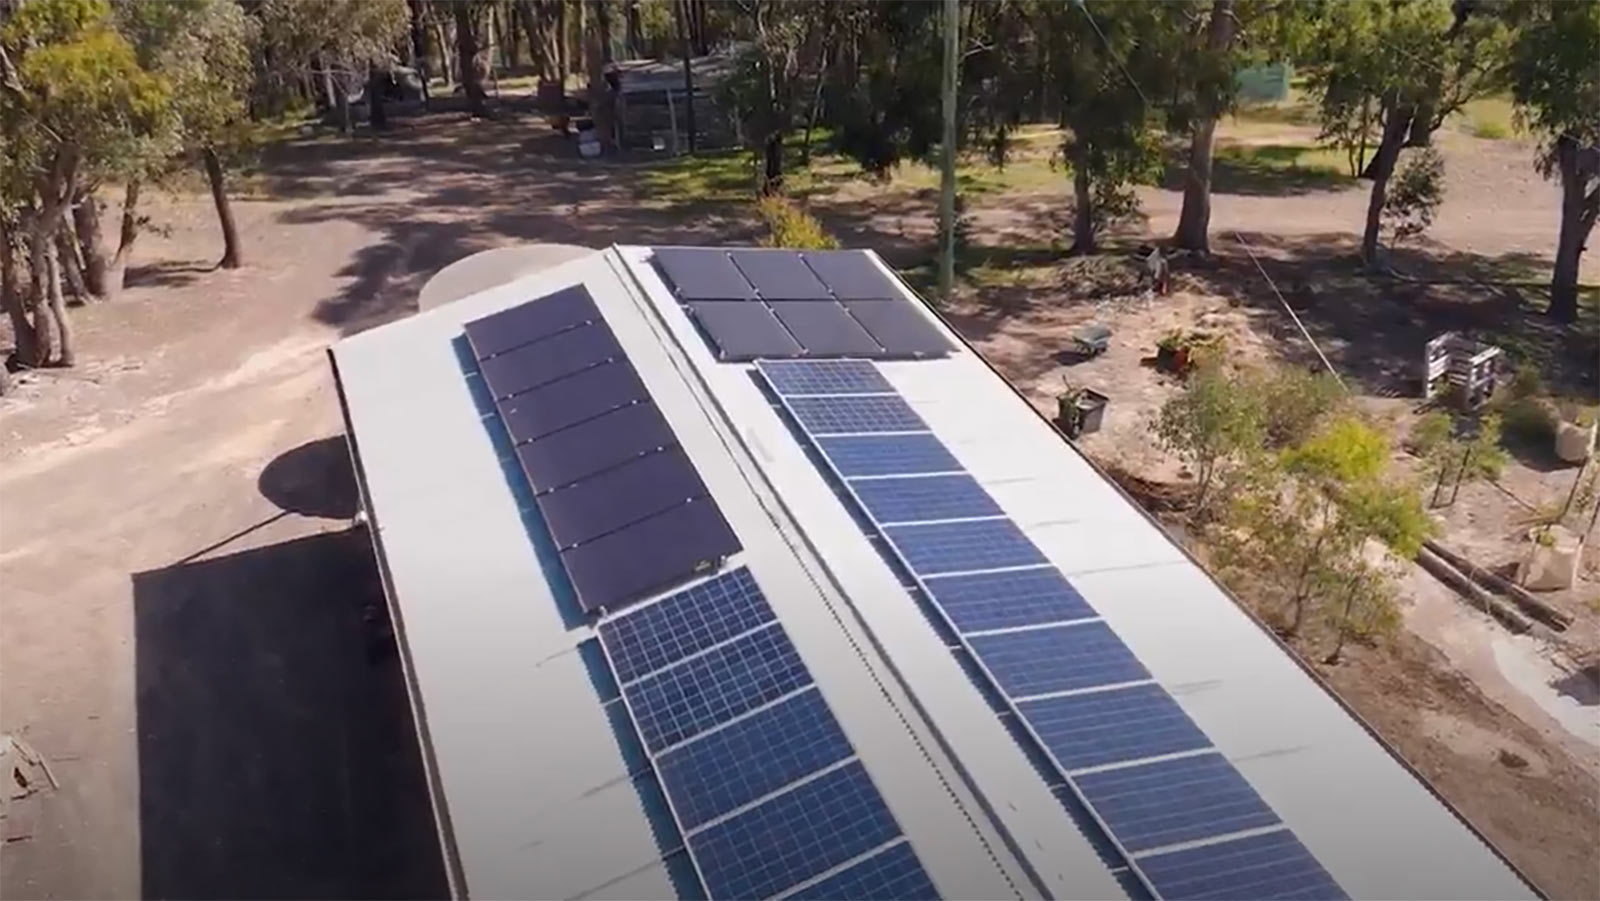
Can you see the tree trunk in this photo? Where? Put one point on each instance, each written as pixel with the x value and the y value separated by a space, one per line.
pixel 125 239
pixel 1577 166
pixel 466 59
pixel 697 27
pixel 679 14
pixel 603 17
pixel 1394 133
pixel 377 115
pixel 512 48
pixel 1344 627
pixel 772 164
pixel 86 222
pixel 446 58
pixel 1194 222
pixel 634 28
pixel 601 109
pixel 44 328
pixel 1421 133
pixel 1083 236
pixel 341 97
pixel 66 351
pixel 71 271
pixel 231 258
pixel 558 26
pixel 419 46
pixel 329 95
pixel 11 300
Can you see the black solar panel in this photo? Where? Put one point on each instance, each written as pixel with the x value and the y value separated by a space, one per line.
pixel 851 275
pixel 697 273
pixel 619 496
pixel 903 330
pixel 649 555
pixel 550 358
pixel 744 331
pixel 824 329
pixel 569 401
pixel 780 275
pixel 594 446
pixel 500 332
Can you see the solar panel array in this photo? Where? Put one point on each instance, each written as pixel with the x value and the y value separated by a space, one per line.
pixel 1187 822
pixel 766 789
pixel 627 510
pixel 780 304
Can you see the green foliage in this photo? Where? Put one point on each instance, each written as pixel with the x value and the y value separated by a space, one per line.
pixel 344 35
pixel 790 226
pixel 1554 79
pixel 1526 383
pixel 1214 423
pixel 1414 194
pixel 1529 419
pixel 1488 460
pixel 1295 401
pixel 1431 433
pixel 1347 451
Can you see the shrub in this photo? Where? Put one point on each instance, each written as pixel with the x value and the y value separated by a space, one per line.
pixel 1529 419
pixel 1415 194
pixel 1295 402
pixel 1526 383
pixel 790 226
pixel 1488 460
pixel 1490 129
pixel 1431 433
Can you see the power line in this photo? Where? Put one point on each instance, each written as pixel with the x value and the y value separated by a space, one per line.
pixel 1112 52
pixel 1274 286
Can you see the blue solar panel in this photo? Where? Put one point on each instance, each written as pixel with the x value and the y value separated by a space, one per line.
pixel 1057 658
pixel 691 620
pixel 893 874
pixel 1112 726
pixel 1153 805
pixel 861 413
pixel 795 836
pixel 792 377
pixel 716 773
pixel 925 498
pixel 951 547
pixel 1272 866
pixel 884 455
pixel 683 701
pixel 1029 597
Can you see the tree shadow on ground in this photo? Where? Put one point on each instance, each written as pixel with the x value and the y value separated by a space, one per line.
pixel 1582 686
pixel 502 183
pixel 166 274
pixel 1257 170
pixel 278 757
pixel 1374 327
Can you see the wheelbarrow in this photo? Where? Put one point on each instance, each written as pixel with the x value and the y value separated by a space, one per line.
pixel 1090 340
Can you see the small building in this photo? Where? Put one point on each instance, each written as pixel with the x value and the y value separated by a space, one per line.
pixel 738 573
pixel 652 105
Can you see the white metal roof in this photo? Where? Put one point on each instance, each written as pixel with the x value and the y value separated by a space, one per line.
pixel 536 797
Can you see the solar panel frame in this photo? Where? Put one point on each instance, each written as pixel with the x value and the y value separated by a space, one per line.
pixel 646 556
pixel 825 329
pixel 855 414
pixel 795 836
pixel 550 358
pixel 654 636
pixel 893 874
pixel 571 400
pixel 716 773
pixel 699 273
pixel 851 275
pixel 1031 597
pixel 1112 726
pixel 924 499
pixel 901 329
pixel 680 702
pixel 594 445
pixel 1133 801
pixel 930 549
pixel 790 378
pixel 741 331
pixel 856 457
pixel 538 318
pixel 779 275
pixel 1275 865
pixel 1057 658
pixel 622 495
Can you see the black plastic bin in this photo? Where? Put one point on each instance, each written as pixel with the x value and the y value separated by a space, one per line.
pixel 1083 413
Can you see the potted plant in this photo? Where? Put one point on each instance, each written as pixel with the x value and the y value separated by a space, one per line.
pixel 1169 348
pixel 1575 433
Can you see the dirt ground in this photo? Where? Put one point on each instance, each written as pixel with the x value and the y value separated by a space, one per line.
pixel 178 583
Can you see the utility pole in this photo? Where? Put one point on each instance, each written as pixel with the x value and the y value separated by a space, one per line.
pixel 947 183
